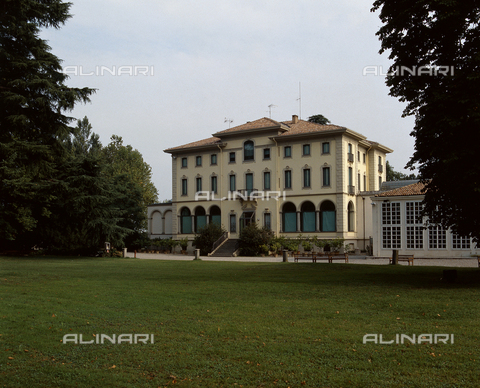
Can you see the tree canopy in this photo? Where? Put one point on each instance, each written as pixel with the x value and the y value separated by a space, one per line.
pixel 393 175
pixel 435 70
pixel 319 119
pixel 59 188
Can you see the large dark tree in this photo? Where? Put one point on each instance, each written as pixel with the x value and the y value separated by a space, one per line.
pixel 33 101
pixel 434 46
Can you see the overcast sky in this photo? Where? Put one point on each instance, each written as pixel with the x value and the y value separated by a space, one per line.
pixel 207 60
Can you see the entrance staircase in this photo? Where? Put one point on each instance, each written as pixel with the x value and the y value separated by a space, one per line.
pixel 227 249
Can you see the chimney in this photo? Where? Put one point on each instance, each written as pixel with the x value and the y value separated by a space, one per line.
pixel 294 119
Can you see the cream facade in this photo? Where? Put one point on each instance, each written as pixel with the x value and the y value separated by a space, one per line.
pixel 293 177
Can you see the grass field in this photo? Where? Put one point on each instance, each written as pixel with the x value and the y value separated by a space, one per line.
pixel 226 324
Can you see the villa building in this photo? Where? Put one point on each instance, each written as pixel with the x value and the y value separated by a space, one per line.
pixel 292 177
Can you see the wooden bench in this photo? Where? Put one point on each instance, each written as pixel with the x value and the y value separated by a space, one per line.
pixel 343 256
pixel 304 256
pixel 408 258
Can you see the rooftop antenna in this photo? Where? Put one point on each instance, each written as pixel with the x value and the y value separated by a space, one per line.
pixel 270 109
pixel 299 99
pixel 229 121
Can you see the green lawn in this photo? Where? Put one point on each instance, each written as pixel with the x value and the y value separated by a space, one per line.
pixel 234 324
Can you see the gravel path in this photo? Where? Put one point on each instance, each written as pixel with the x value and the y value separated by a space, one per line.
pixel 468 262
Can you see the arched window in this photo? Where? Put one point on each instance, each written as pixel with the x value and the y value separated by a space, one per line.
pixel 200 218
pixel 185 221
pixel 157 223
pixel 289 217
pixel 215 215
pixel 351 217
pixel 248 150
pixel 307 218
pixel 327 217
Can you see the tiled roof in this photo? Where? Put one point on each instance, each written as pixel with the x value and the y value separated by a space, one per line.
pixel 260 123
pixel 413 189
pixel 199 143
pixel 303 126
pixel 288 128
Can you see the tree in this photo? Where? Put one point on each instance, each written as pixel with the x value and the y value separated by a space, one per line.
pixel 435 70
pixel 83 141
pixel 319 119
pixel 33 100
pixel 206 236
pixel 124 160
pixel 253 238
pixel 89 210
pixel 393 175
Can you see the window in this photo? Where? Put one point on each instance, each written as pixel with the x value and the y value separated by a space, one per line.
pixel 365 183
pixel 232 157
pixel 200 219
pixel 248 150
pixel 350 153
pixel 198 161
pixel 266 180
pixel 325 148
pixel 233 222
pixel 307 217
pixel 185 221
pixel 184 187
pixel 184 162
pixel 214 184
pixel 213 159
pixel 326 176
pixel 199 184
pixel 351 217
pixel 359 182
pixel 306 150
pixel 288 179
pixel 306 177
pixel 437 237
pixel 351 187
pixel 267 221
pixel 327 217
pixel 287 151
pixel 233 183
pixel 414 228
pixel 249 183
pixel 289 217
pixel 358 156
pixel 379 182
pixel 266 153
pixel 459 242
pixel 364 158
pixel 391 230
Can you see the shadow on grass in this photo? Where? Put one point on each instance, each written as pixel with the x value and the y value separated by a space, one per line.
pixel 125 269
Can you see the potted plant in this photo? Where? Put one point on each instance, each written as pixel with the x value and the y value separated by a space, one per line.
pixel 174 244
pixel 264 250
pixel 275 246
pixel 184 245
pixel 336 244
pixel 291 245
pixel 320 244
pixel 307 244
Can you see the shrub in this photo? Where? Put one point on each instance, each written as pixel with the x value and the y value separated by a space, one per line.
pixel 252 238
pixel 206 236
